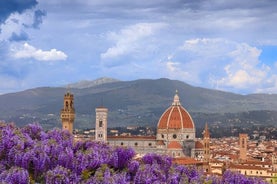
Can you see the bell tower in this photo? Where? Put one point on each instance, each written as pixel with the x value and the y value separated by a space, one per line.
pixel 206 141
pixel 101 124
pixel 243 146
pixel 68 112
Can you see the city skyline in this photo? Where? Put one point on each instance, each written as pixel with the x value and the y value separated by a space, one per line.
pixel 223 45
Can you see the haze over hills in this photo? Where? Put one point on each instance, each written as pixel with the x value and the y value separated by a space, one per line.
pixel 139 102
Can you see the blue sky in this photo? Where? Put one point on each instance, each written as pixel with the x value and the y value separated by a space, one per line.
pixel 217 44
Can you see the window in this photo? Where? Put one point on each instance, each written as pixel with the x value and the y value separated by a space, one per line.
pixel 136 144
pixel 71 104
pixel 243 143
pixel 100 123
pixel 162 135
pixel 174 136
pixel 187 136
pixel 100 135
pixel 121 143
pixel 150 144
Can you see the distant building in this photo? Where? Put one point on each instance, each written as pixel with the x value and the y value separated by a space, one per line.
pixel 101 124
pixel 175 133
pixel 243 147
pixel 206 141
pixel 68 112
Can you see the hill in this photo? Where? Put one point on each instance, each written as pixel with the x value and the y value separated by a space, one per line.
pixel 139 102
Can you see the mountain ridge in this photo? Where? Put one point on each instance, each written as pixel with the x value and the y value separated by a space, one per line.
pixel 90 83
pixel 137 102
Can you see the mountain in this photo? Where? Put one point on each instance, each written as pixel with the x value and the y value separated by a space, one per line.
pixel 139 102
pixel 90 83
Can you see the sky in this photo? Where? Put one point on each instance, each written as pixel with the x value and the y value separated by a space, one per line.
pixel 228 45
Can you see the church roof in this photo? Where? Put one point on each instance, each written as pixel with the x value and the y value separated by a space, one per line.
pixel 187 161
pixel 160 143
pixel 175 117
pixel 131 138
pixel 198 145
pixel 174 145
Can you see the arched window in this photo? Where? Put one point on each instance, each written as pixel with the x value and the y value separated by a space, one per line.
pixel 71 104
pixel 100 123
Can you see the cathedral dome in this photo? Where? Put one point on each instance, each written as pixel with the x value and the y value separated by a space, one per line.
pixel 176 117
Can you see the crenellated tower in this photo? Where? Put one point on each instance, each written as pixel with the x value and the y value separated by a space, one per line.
pixel 68 112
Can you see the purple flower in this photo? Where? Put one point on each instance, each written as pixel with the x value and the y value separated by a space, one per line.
pixel 61 175
pixel 15 175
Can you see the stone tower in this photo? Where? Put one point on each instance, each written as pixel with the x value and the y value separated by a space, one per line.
pixel 206 141
pixel 68 112
pixel 274 162
pixel 101 124
pixel 243 146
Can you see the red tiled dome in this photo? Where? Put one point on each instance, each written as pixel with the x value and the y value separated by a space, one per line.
pixel 175 117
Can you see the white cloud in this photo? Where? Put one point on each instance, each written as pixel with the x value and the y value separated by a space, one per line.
pixel 243 70
pixel 175 71
pixel 28 51
pixel 220 63
pixel 128 39
pixel 207 47
pixel 172 66
pixel 16 23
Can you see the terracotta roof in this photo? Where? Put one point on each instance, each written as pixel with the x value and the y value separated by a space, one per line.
pixel 256 162
pixel 160 143
pixel 175 117
pixel 186 161
pixel 174 145
pixel 198 145
pixel 233 166
pixel 149 138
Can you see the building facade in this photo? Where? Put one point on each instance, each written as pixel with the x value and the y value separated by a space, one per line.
pixel 175 133
pixel 101 124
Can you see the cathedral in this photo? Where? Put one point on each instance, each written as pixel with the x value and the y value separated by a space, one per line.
pixel 175 132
